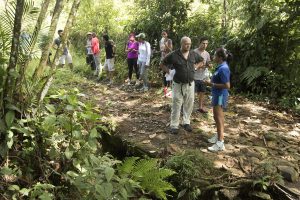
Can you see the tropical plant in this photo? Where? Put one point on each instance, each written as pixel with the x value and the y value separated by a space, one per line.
pixel 189 166
pixel 148 175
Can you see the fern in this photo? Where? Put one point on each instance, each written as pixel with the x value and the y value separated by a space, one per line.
pixel 128 165
pixel 253 73
pixel 143 166
pixel 148 174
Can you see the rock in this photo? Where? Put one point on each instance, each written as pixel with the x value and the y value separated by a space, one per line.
pixel 260 195
pixel 292 150
pixel 152 136
pixel 249 153
pixel 146 141
pixel 262 151
pixel 255 160
pixel 270 136
pixel 294 133
pixel 228 194
pixel 161 137
pixel 288 173
pixel 159 131
pixel 229 147
pixel 184 142
pixel 272 144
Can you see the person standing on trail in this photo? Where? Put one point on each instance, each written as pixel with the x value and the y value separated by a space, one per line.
pixel 89 52
pixel 96 54
pixel 220 83
pixel 109 64
pixel 166 47
pixel 66 54
pixel 202 73
pixel 144 55
pixel 184 62
pixel 132 48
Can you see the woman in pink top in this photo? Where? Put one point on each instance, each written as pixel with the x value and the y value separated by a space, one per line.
pixel 131 49
pixel 96 53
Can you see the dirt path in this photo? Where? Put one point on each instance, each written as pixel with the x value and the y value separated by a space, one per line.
pixel 254 134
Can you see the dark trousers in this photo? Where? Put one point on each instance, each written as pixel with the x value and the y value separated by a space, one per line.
pixel 132 63
pixel 90 61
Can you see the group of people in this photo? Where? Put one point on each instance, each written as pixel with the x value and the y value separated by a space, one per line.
pixel 192 75
pixel 93 55
pixel 185 71
pixel 138 59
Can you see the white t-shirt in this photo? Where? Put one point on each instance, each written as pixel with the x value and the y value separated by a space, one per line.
pixel 89 46
pixel 202 73
pixel 144 52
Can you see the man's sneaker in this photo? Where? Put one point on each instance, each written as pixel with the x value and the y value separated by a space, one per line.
pixel 187 127
pixel 219 146
pixel 174 131
pixel 129 82
pixel 213 139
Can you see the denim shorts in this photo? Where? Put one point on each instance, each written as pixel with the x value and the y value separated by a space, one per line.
pixel 220 100
pixel 200 86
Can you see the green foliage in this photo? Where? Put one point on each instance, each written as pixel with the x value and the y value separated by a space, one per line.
pixel 189 165
pixel 266 175
pixel 266 50
pixel 155 16
pixel 148 175
pixel 96 179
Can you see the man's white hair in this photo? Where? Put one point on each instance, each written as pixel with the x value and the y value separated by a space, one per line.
pixel 184 38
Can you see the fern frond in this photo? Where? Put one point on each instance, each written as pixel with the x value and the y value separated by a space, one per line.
pixel 155 184
pixel 143 166
pixel 128 165
pixel 253 73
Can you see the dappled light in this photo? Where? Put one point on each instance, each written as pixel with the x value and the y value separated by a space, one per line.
pixel 149 99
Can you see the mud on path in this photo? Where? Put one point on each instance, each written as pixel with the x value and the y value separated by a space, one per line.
pixel 253 133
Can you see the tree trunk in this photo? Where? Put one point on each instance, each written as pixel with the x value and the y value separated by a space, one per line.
pixel 11 69
pixel 45 52
pixel 68 26
pixel 34 37
pixel 37 28
pixel 224 19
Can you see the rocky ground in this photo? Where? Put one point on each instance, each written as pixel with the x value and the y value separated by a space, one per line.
pixel 254 133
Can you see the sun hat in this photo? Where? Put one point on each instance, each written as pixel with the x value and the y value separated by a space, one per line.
pixel 141 35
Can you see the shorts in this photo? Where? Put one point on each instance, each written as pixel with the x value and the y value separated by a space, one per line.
pixel 220 100
pixel 200 86
pixel 109 64
pixel 63 58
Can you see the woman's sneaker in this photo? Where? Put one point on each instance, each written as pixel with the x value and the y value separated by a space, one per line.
pixel 214 139
pixel 219 146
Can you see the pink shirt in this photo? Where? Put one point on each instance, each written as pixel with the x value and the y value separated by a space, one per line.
pixel 95 45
